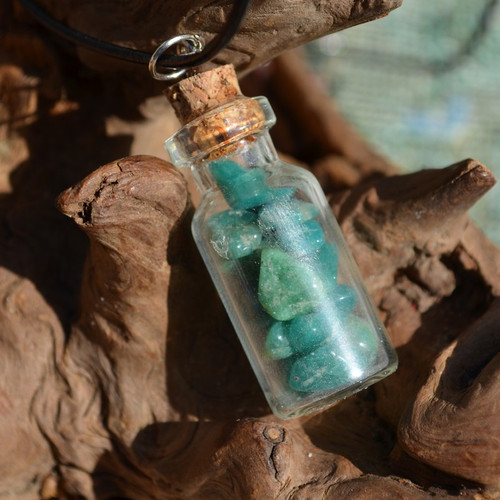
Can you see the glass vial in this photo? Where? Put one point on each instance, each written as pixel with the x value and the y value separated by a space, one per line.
pixel 280 264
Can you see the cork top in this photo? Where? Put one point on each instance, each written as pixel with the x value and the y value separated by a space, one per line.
pixel 198 94
pixel 215 115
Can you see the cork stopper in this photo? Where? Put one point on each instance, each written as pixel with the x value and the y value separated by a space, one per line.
pixel 215 116
pixel 198 94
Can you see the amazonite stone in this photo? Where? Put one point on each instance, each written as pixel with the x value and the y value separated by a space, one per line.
pixel 248 190
pixel 363 337
pixel 234 234
pixel 346 357
pixel 275 218
pixel 306 210
pixel 231 218
pixel 242 187
pixel 313 237
pixel 320 370
pixel 287 287
pixel 234 243
pixel 285 212
pixel 343 298
pixel 246 270
pixel 277 344
pixel 226 171
pixel 301 240
pixel 280 194
pixel 326 261
pixel 309 331
pixel 250 193
pixel 283 226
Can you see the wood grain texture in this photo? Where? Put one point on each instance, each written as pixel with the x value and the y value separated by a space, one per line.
pixel 270 27
pixel 121 376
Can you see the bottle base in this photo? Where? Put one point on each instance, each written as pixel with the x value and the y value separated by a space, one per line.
pixel 322 402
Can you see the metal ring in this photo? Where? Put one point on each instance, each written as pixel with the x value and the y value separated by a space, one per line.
pixel 194 44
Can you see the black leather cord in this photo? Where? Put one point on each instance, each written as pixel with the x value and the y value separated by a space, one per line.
pixel 167 61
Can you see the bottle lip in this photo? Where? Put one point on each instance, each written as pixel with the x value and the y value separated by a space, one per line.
pixel 210 135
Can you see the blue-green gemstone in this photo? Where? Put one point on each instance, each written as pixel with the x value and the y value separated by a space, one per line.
pixel 313 237
pixel 363 338
pixel 285 211
pixel 242 187
pixel 309 331
pixel 246 187
pixel 287 287
pixel 277 217
pixel 326 262
pixel 226 171
pixel 234 243
pixel 246 269
pixel 232 218
pixel 277 195
pixel 248 190
pixel 234 234
pixel 306 210
pixel 283 226
pixel 300 239
pixel 277 344
pixel 320 370
pixel 251 191
pixel 346 357
pixel 344 298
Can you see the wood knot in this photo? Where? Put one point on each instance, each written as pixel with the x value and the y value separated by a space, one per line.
pixel 274 434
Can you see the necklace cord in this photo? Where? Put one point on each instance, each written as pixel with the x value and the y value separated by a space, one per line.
pixel 167 61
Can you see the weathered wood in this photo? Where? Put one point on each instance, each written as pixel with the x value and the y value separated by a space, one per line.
pixel 123 378
pixel 452 423
pixel 269 28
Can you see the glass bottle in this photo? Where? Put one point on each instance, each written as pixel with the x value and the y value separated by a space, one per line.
pixel 280 264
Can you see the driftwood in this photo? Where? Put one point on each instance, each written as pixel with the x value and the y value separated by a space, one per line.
pixel 269 27
pixel 121 374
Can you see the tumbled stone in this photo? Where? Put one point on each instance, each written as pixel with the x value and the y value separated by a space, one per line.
pixel 320 370
pixel 285 212
pixel 343 298
pixel 231 218
pixel 345 358
pixel 277 344
pixel 306 210
pixel 234 243
pixel 325 260
pixel 302 240
pixel 309 331
pixel 244 187
pixel 276 218
pixel 363 337
pixel 287 287
pixel 248 190
pixel 283 226
pixel 246 270
pixel 234 234
pixel 312 238
pixel 226 171
pixel 280 194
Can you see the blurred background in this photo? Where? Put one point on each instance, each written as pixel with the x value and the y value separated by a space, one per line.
pixel 423 86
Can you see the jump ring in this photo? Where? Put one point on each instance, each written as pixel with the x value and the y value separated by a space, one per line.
pixel 194 44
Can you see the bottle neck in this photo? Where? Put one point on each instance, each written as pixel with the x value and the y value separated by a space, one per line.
pixel 254 151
